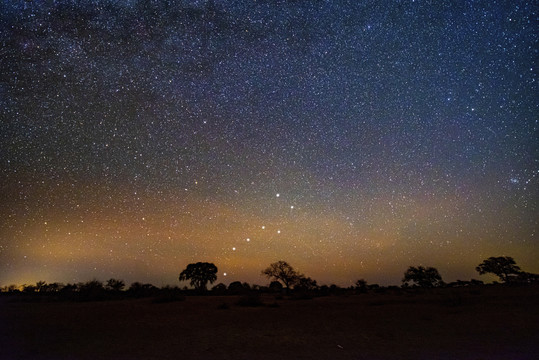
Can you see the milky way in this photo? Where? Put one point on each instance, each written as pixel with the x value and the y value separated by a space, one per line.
pixel 350 138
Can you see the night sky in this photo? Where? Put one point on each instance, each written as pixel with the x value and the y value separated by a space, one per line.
pixel 350 138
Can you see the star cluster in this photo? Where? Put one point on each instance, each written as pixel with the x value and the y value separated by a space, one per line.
pixel 350 138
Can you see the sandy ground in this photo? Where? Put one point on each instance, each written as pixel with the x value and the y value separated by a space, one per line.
pixel 490 323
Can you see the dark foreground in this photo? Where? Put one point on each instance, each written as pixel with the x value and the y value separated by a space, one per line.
pixel 484 323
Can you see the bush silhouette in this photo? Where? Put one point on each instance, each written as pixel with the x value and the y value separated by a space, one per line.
pixel 140 290
pixel 237 288
pixel 219 289
pixel 275 287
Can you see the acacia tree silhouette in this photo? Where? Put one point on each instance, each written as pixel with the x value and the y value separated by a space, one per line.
pixel 361 285
pixel 115 285
pixel 200 274
pixel 502 266
pixel 282 271
pixel 423 277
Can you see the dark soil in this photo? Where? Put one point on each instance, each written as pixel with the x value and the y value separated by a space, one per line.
pixel 481 323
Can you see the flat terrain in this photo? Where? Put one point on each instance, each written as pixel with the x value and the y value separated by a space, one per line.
pixel 483 323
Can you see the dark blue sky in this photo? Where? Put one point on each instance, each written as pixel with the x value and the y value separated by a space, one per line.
pixel 139 136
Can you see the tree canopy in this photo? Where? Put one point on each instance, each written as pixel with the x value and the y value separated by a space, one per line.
pixel 115 284
pixel 282 271
pixel 502 266
pixel 423 277
pixel 199 274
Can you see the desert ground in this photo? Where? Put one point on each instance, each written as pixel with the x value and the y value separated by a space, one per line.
pixel 490 322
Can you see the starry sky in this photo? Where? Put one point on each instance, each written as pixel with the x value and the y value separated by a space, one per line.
pixel 350 138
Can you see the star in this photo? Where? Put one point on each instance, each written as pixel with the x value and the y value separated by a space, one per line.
pixel 146 145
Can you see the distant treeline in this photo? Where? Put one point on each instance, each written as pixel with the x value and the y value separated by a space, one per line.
pixel 95 290
pixel 286 282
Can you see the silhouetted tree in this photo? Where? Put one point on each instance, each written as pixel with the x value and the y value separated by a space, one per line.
pixel 306 284
pixel 305 288
pixel 219 289
pixel 527 278
pixel 502 266
pixel 138 289
pixel 53 287
pixel 236 287
pixel 281 271
pixel 69 289
pixel 323 290
pixel 335 289
pixel 361 286
pixel 373 286
pixel 200 274
pixel 92 290
pixel 28 289
pixel 423 277
pixel 10 288
pixel 115 285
